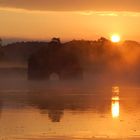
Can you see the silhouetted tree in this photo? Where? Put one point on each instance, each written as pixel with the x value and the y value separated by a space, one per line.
pixel 102 40
pixel 0 42
pixel 57 60
pixel 55 41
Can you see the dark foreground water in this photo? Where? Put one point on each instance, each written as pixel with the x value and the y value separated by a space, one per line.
pixel 69 114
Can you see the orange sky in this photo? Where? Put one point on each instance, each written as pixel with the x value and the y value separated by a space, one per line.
pixel 75 19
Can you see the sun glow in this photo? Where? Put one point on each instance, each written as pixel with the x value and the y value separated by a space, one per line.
pixel 115 38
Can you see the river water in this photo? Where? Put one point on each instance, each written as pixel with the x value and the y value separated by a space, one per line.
pixel 70 114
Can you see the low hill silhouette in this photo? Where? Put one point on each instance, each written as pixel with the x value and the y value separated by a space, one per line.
pixel 100 57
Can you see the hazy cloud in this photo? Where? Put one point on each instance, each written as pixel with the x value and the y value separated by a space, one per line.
pixel 73 5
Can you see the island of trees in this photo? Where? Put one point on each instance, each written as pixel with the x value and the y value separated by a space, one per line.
pixel 71 60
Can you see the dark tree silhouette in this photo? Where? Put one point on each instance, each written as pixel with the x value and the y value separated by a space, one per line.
pixel 55 41
pixel 0 42
pixel 53 59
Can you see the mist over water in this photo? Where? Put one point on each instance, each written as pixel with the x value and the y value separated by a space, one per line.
pixel 99 62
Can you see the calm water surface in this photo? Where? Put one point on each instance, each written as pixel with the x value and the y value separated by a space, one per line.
pixel 70 114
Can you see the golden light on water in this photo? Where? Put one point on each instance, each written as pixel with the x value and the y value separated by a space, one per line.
pixel 115 98
pixel 115 90
pixel 115 107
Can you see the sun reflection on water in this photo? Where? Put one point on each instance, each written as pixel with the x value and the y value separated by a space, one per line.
pixel 115 107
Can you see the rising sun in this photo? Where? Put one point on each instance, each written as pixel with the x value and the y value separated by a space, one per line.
pixel 115 38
